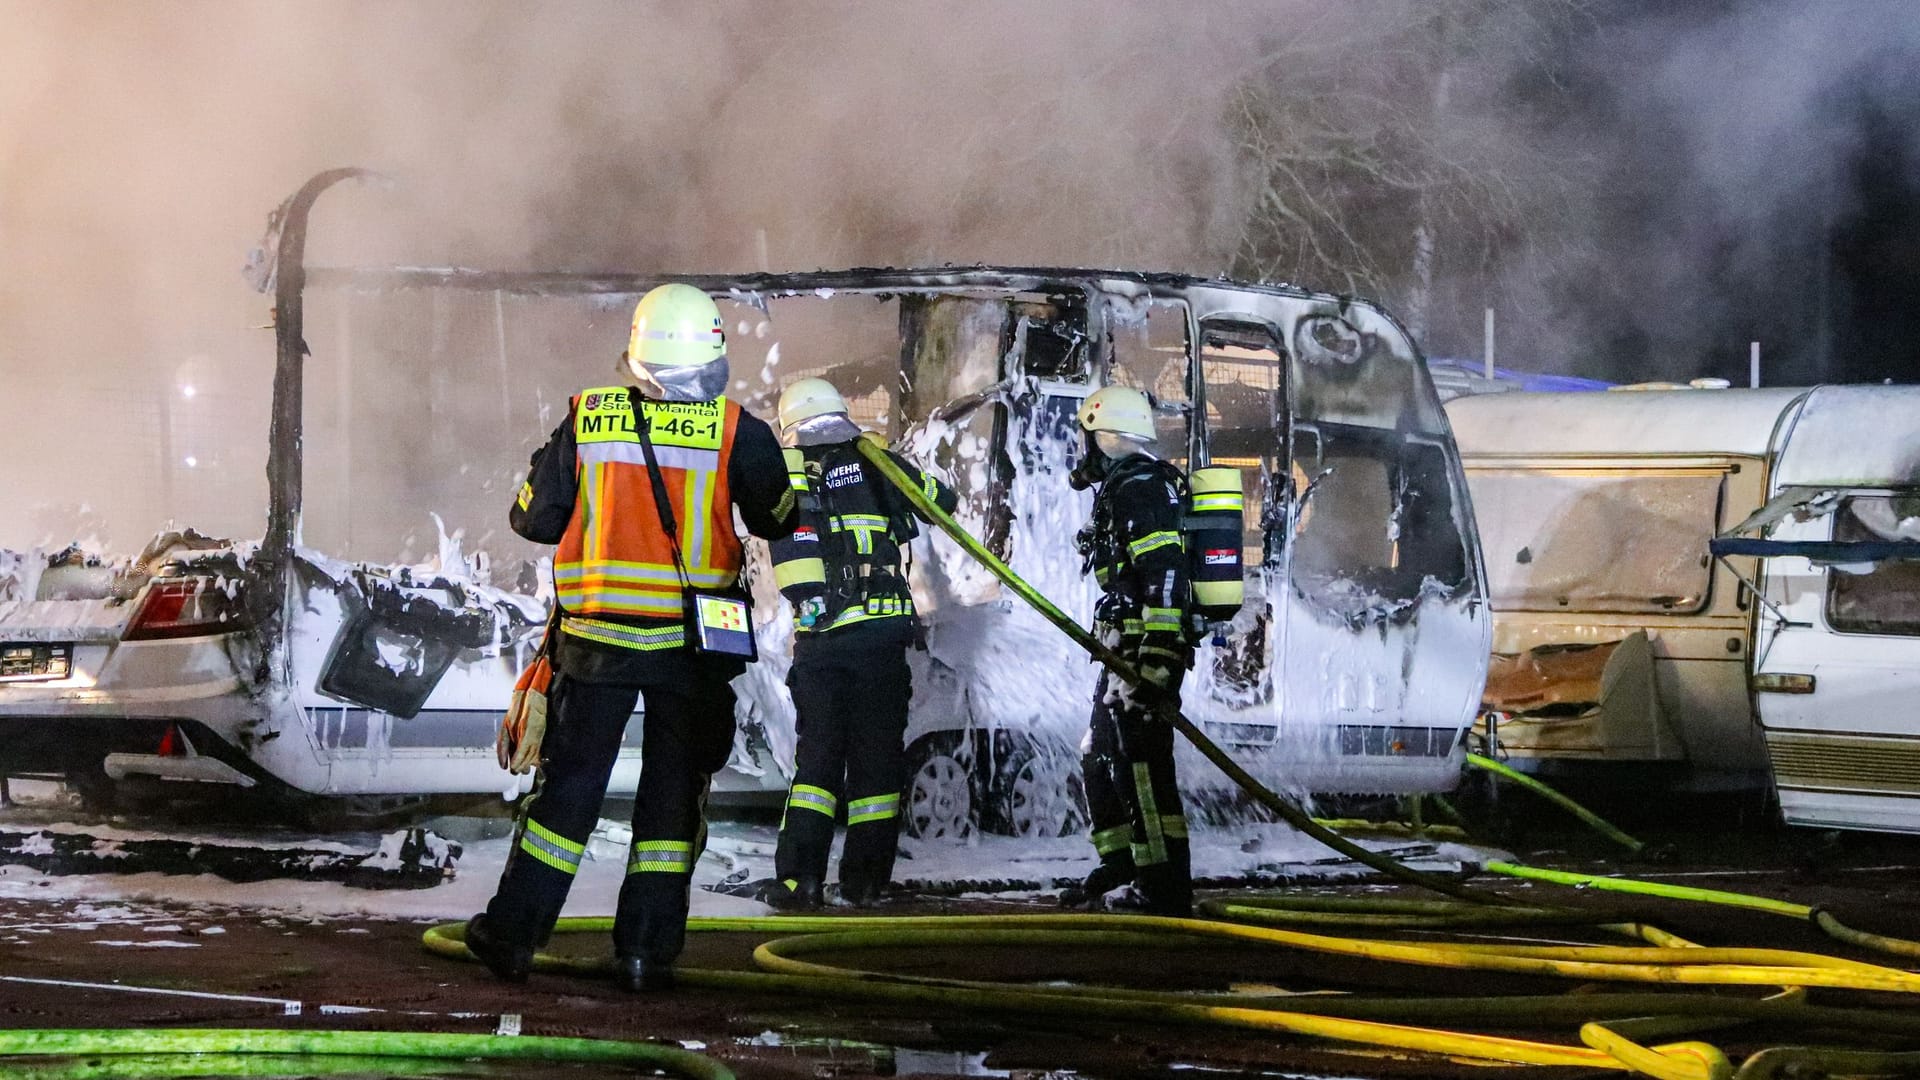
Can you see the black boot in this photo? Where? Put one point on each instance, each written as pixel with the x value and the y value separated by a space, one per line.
pixel 505 960
pixel 803 893
pixel 1108 876
pixel 641 976
pixel 862 894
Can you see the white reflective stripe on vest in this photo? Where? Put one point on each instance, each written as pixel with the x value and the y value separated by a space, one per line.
pixel 632 453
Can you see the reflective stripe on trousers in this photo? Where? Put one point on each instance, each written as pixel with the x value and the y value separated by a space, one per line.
pixel 817 799
pixel 661 857
pixel 873 808
pixel 551 848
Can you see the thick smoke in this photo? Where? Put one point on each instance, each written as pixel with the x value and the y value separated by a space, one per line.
pixel 141 147
pixel 1663 182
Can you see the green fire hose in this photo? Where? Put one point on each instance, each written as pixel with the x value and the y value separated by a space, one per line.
pixel 347 1049
pixel 1599 824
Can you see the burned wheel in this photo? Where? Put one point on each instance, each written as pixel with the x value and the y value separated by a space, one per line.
pixel 939 793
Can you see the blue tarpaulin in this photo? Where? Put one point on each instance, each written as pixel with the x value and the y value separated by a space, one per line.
pixel 1527 380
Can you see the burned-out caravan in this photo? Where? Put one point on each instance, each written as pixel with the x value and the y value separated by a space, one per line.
pixel 1836 670
pixel 1620 644
pixel 307 662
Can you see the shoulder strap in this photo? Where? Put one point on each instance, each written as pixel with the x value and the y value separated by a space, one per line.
pixel 662 506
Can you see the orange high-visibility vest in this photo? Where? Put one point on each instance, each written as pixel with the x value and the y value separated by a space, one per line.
pixel 614 572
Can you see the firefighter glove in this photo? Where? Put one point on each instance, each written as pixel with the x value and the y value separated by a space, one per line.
pixel 525 725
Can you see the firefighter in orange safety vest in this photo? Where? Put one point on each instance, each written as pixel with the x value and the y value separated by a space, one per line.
pixel 842 569
pixel 638 487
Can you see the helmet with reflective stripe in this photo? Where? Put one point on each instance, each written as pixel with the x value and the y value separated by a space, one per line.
pixel 1119 409
pixel 675 326
pixel 804 399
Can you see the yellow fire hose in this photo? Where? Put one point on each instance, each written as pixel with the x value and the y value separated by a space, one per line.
pixel 788 964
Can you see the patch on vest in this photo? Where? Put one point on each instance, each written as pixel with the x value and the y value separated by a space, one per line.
pixel 844 475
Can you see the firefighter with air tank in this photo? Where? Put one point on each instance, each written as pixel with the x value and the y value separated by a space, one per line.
pixel 843 570
pixel 638 487
pixel 1165 551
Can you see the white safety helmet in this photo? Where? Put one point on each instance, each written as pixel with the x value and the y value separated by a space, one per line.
pixel 678 346
pixel 1121 410
pixel 804 399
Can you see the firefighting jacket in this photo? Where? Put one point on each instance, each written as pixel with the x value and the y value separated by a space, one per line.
pixel 846 547
pixel 1134 548
pixel 589 492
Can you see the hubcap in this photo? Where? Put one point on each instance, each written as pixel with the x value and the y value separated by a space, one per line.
pixel 941 800
pixel 1041 804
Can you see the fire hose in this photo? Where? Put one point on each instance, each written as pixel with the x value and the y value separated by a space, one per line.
pixel 97 1054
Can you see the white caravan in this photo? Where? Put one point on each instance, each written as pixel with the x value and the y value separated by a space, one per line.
pixel 1356 664
pixel 1620 644
pixel 1837 654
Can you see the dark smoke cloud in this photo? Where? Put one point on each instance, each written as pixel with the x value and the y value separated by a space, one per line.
pixel 141 147
pixel 1692 159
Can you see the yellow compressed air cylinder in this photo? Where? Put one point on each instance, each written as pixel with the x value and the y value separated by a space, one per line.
pixel 1216 512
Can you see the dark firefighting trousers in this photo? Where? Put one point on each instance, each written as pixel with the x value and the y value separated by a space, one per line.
pixel 1139 827
pixel 851 717
pixel 687 737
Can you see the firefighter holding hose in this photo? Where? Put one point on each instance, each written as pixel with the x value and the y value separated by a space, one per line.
pixel 843 571
pixel 638 487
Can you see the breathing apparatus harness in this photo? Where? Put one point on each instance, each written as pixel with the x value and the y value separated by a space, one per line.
pixel 867 541
pixel 1210 524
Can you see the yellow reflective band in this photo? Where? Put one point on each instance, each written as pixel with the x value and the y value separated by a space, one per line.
pixel 873 808
pixel 1174 826
pixel 797 481
pixel 799 572
pixel 1118 838
pixel 571 847
pixel 661 857
pixel 817 799
pixel 859 521
pixel 1156 845
pixel 1161 619
pixel 638 574
pixel 1153 541
pixel 641 639
pixel 859 615
pixel 785 506
pixel 1223 501
pixel 1155 650
pixel 551 848
pixel 929 487
pixel 1215 479
pixel 1219 593
pixel 526 496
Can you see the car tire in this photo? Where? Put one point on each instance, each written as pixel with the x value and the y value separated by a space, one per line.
pixel 1038 792
pixel 939 798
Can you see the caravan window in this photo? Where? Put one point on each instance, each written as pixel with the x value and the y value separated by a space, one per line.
pixel 1606 540
pixel 1886 599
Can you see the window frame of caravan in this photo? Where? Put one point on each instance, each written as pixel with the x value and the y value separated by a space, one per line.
pixel 1829 574
pixel 1626 466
